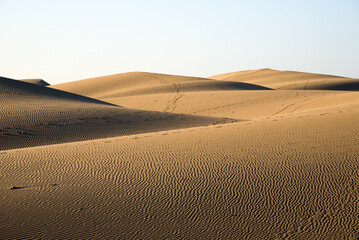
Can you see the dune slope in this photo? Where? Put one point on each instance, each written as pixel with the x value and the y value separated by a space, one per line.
pixel 280 178
pixel 179 94
pixel 33 115
pixel 291 80
pixel 240 104
pixel 290 171
pixel 141 83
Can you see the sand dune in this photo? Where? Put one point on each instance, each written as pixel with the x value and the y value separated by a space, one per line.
pixel 141 83
pixel 154 156
pixel 32 115
pixel 179 94
pixel 37 81
pixel 240 104
pixel 291 80
pixel 290 178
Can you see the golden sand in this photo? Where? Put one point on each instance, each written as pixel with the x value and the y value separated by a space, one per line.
pixel 258 154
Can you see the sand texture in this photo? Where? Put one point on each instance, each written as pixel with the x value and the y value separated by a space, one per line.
pixel 249 155
pixel 33 115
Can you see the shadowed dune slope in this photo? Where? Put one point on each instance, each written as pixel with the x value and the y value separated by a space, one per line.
pixel 36 81
pixel 140 83
pixel 279 178
pixel 12 89
pixel 32 115
pixel 291 80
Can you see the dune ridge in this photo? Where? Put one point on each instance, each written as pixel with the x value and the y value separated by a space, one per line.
pixel 33 115
pixel 37 81
pixel 141 83
pixel 291 80
pixel 154 92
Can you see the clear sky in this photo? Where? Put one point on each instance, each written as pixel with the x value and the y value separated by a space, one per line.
pixel 68 40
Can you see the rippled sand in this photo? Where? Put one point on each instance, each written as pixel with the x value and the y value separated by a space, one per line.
pixel 244 164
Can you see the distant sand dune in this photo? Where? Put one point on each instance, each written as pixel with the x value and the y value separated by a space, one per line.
pixel 12 89
pixel 240 104
pixel 291 80
pixel 140 83
pixel 223 98
pixel 32 115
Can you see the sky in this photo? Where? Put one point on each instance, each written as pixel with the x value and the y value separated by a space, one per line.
pixel 67 40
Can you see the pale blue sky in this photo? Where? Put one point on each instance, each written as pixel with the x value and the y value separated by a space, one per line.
pixel 62 41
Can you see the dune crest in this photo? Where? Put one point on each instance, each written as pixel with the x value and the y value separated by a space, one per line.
pixel 32 115
pixel 291 80
pixel 37 81
pixel 143 83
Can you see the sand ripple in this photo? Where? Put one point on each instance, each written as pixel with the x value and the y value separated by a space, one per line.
pixel 294 179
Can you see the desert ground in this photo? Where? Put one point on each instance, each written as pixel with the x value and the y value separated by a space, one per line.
pixel 257 154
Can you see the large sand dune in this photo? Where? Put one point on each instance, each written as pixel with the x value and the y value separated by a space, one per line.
pixel 291 80
pixel 32 115
pixel 183 168
pixel 240 104
pixel 141 83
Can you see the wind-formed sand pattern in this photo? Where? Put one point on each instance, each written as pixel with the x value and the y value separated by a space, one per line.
pixel 258 154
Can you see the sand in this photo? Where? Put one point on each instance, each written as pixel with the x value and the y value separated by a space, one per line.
pixel 220 161
pixel 291 80
pixel 143 83
pixel 33 115
pixel 37 81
